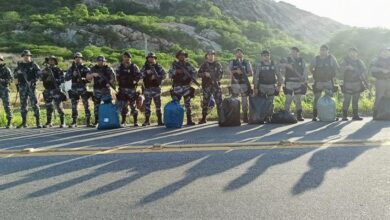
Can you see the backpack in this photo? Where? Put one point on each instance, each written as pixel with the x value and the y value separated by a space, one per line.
pixel 259 109
pixel 173 115
pixel 108 115
pixel 283 117
pixel 230 112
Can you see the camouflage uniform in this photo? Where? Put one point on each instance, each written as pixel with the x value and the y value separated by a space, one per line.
pixel 267 75
pixel 182 85
pixel 239 85
pixel 353 85
pixel 53 92
pixel 100 88
pixel 324 71
pixel 6 78
pixel 30 72
pixel 295 87
pixel 211 86
pixel 78 74
pixel 152 83
pixel 380 69
pixel 128 77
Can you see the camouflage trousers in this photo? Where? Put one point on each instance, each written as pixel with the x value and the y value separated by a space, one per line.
pixel 4 96
pixel 127 97
pixel 186 92
pixel 97 98
pixel 215 91
pixel 152 94
pixel 26 93
pixel 51 96
pixel 76 94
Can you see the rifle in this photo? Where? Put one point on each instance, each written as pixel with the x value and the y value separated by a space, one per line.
pixel 61 93
pixel 246 79
pixel 300 77
pixel 108 82
pixel 185 71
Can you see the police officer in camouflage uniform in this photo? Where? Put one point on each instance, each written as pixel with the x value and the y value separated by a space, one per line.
pixel 380 69
pixel 6 78
pixel 103 77
pixel 152 75
pixel 52 77
pixel 128 76
pixel 27 73
pixel 78 73
pixel 295 88
pixel 183 74
pixel 240 70
pixel 267 79
pixel 354 71
pixel 211 73
pixel 324 68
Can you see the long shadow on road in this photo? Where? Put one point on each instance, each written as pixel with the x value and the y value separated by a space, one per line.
pixel 327 159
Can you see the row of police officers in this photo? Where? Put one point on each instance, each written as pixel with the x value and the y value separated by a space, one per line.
pixel 269 79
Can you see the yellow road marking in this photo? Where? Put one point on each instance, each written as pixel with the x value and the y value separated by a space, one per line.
pixel 28 152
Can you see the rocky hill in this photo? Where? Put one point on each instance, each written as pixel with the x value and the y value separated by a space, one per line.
pixel 301 24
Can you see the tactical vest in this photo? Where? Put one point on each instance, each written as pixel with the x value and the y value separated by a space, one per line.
pixel 180 78
pixel 80 78
pixel 267 74
pixel 385 64
pixel 126 76
pixel 215 73
pixel 29 70
pixel 48 81
pixel 324 71
pixel 353 75
pixel 104 78
pixel 5 74
pixel 298 66
pixel 148 81
pixel 236 65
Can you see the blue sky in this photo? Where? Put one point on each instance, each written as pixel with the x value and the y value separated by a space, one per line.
pixel 371 13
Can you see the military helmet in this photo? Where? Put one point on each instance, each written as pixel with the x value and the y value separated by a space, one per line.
pixel 52 57
pixel 209 52
pixel 101 58
pixel 181 52
pixel 78 55
pixel 151 54
pixel 128 54
pixel 26 53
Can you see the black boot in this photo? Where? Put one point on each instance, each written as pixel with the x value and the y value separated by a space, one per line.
pixel 96 121
pixel 123 122
pixel 38 122
pixel 74 123
pixel 48 122
pixel 345 115
pixel 135 118
pixel 203 120
pixel 62 121
pixel 159 119
pixel 356 116
pixel 147 122
pixel 8 126
pixel 315 114
pixel 24 122
pixel 300 115
pixel 245 117
pixel 189 120
pixel 89 125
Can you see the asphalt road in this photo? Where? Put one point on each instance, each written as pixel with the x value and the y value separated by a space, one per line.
pixel 324 181
pixel 200 134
